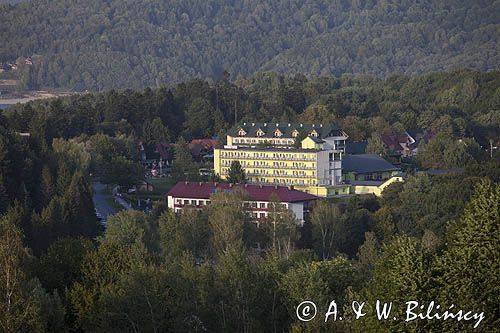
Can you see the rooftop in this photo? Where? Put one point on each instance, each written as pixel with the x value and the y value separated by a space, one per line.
pixel 200 190
pixel 366 163
pixel 208 144
pixel 366 182
pixel 323 130
pixel 395 140
pixel 316 140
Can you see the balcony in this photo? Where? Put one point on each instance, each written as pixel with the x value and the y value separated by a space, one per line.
pixel 259 174
pixel 268 158
pixel 244 165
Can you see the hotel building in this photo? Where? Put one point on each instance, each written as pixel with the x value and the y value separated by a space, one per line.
pixel 269 155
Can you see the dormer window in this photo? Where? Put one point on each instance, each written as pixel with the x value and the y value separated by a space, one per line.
pixel 260 133
pixel 314 133
pixel 295 133
pixel 242 132
pixel 278 133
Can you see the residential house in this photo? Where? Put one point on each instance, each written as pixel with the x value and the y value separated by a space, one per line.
pixel 367 167
pixel 399 145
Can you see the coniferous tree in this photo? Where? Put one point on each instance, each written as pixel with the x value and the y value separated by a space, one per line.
pixel 321 281
pixel 63 177
pixel 182 165
pixel 236 174
pixel 60 266
pixel 154 132
pixel 49 226
pixel 402 273
pixel 470 265
pixel 47 185
pixel 77 208
pixel 375 146
pixel 4 198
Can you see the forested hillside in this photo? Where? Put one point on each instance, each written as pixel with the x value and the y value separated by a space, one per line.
pixel 98 45
pixel 461 104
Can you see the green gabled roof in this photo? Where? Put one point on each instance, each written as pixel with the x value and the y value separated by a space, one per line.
pixel 323 130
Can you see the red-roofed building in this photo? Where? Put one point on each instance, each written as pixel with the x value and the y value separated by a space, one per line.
pixel 201 149
pixel 193 194
pixel 208 144
pixel 400 144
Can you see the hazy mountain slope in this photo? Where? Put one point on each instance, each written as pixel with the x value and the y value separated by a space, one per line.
pixel 97 44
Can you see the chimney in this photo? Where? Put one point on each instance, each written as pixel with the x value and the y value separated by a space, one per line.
pixel 246 185
pixel 230 185
pixel 291 188
pixel 275 187
pixel 185 183
pixel 201 183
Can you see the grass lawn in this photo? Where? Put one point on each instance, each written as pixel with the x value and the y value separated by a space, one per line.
pixel 161 185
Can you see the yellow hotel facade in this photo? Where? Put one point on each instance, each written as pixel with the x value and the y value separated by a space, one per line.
pixel 267 154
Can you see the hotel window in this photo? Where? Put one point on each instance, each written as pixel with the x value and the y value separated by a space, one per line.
pixel 278 133
pixel 260 132
pixel 295 133
pixel 186 202
pixel 241 132
pixel 262 205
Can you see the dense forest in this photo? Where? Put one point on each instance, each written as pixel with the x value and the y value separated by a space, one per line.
pixel 431 238
pixel 97 45
pixel 461 105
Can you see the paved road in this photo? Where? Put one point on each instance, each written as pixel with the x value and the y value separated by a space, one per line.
pixel 101 198
pixel 124 203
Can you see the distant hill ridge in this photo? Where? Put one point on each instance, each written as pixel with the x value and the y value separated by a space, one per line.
pixel 99 45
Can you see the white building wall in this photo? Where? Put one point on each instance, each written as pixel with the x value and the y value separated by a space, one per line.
pixel 323 167
pixel 335 142
pixel 170 202
pixel 296 208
